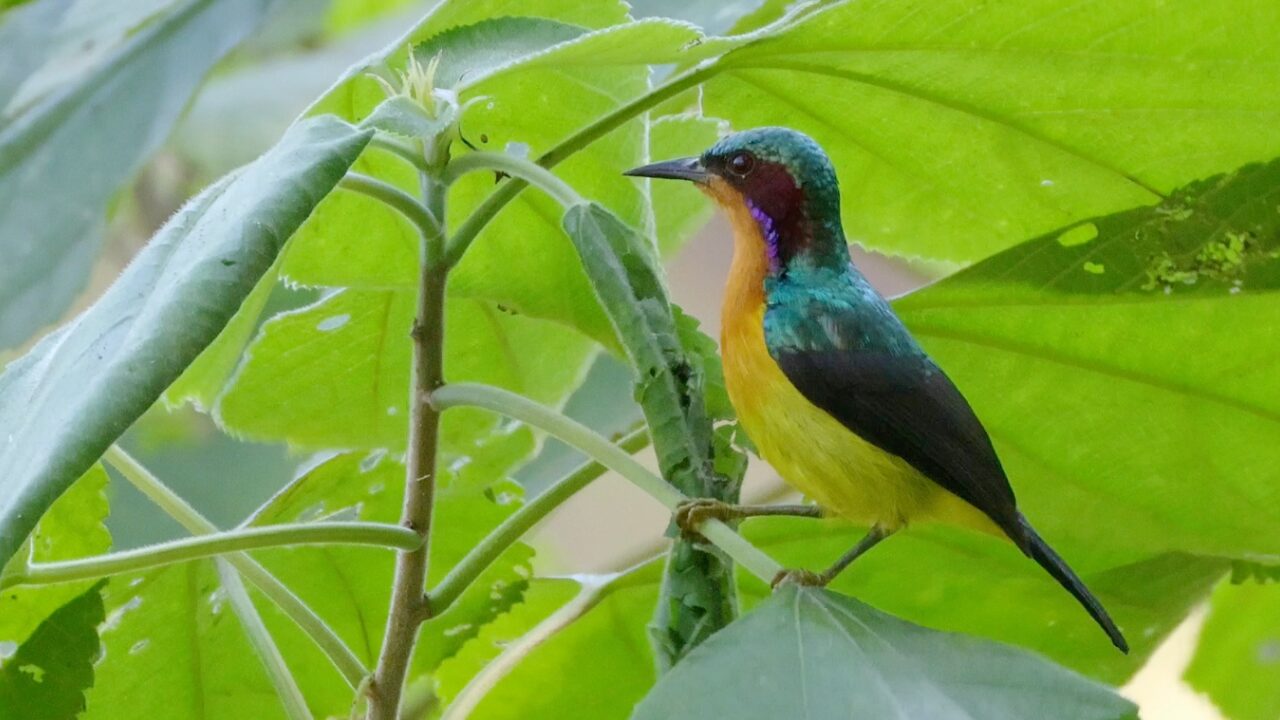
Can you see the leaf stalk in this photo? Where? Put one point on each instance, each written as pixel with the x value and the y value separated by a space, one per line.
pixel 344 660
pixel 606 453
pixel 212 545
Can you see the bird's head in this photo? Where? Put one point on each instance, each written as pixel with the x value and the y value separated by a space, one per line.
pixel 778 179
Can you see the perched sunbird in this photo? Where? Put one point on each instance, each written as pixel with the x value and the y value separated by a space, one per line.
pixel 829 384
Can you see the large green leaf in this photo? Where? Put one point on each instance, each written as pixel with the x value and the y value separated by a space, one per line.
pixel 74 393
pixel 1237 661
pixel 535 81
pixel 813 653
pixel 960 128
pixel 47 676
pixel 173 648
pixel 956 580
pixel 351 350
pixel 72 528
pixel 597 641
pixel 1125 375
pixel 67 152
pixel 350 587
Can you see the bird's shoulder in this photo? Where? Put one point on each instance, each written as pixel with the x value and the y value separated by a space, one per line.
pixel 824 310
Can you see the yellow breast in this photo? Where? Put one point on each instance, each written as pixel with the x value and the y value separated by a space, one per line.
pixel 810 449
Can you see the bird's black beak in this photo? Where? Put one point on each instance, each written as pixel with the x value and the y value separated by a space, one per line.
pixel 689 168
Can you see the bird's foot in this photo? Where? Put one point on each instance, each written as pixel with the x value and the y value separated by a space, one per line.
pixel 803 578
pixel 692 513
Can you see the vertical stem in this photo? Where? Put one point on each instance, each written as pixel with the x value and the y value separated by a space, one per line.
pixel 409 604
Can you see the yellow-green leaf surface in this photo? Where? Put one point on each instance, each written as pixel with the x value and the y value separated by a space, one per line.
pixel 808 652
pixel 62 158
pixel 64 402
pixel 962 127
pixel 46 677
pixel 533 82
pixel 350 587
pixel 72 528
pixel 957 580
pixel 173 648
pixel 1237 660
pixel 596 641
pixel 351 351
pixel 1127 374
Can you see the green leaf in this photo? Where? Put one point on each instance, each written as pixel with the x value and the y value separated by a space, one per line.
pixel 174 648
pixel 820 654
pixel 403 116
pixel 472 53
pixel 72 528
pixel 75 392
pixel 1237 661
pixel 47 677
pixel 475 661
pixel 670 386
pixel 65 152
pixel 1130 381
pixel 350 587
pixel 352 350
pixel 27 36
pixel 956 580
pixel 678 213
pixel 962 128
pixel 208 374
pixel 600 635
pixel 526 100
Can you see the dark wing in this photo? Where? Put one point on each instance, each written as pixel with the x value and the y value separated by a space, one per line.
pixel 907 406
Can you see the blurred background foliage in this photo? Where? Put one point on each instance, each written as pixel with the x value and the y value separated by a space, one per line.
pixel 1170 106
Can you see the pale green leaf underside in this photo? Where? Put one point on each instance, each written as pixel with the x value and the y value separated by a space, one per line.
pixel 810 653
pixel 74 393
pixel 66 152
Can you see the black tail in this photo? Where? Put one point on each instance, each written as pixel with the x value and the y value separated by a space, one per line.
pixel 1037 549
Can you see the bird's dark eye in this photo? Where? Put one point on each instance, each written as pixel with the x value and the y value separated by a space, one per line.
pixel 742 164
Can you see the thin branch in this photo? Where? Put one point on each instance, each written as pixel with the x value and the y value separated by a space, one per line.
pixel 511 529
pixel 409 606
pixel 498 199
pixel 519 167
pixel 606 453
pixel 394 198
pixel 295 706
pixel 214 544
pixel 348 665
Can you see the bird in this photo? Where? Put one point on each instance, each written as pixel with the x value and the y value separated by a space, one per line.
pixel 828 383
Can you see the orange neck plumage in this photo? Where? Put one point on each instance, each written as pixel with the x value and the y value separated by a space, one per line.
pixel 744 292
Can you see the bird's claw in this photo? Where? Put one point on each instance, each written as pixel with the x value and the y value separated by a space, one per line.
pixel 691 513
pixel 803 578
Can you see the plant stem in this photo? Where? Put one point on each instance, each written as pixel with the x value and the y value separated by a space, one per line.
pixel 409 605
pixel 402 202
pixel 606 453
pixel 519 167
pixel 348 665
pixel 506 534
pixel 403 150
pixel 461 239
pixel 213 544
pixel 295 706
